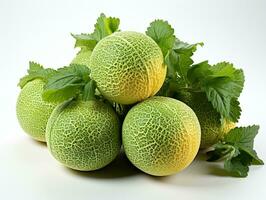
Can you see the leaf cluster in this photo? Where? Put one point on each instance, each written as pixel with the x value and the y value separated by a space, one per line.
pixel 237 151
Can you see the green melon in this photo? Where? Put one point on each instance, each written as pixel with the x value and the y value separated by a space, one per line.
pixel 212 129
pixel 32 111
pixel 84 135
pixel 128 67
pixel 161 136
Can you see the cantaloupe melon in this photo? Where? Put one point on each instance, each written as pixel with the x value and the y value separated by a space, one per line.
pixel 128 67
pixel 32 111
pixel 161 136
pixel 84 135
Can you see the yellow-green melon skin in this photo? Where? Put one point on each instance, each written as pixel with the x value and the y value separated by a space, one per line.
pixel 128 67
pixel 32 111
pixel 84 135
pixel 161 136
pixel 212 129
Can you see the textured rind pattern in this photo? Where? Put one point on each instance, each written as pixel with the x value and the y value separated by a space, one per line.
pixel 84 135
pixel 212 129
pixel 128 67
pixel 161 136
pixel 32 111
pixel 82 58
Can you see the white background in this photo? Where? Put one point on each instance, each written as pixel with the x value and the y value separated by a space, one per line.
pixel 40 31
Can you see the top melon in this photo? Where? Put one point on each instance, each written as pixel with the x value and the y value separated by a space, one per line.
pixel 128 67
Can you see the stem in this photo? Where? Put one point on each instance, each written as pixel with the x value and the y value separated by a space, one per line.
pixel 228 152
pixel 89 91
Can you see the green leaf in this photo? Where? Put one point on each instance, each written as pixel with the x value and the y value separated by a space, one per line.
pixel 163 34
pixel 171 60
pixel 237 167
pixel 223 87
pixel 218 94
pixel 185 48
pixel 85 40
pixel 253 154
pixel 184 52
pixel 104 26
pixel 35 71
pixel 222 84
pixel 66 83
pixel 225 69
pixel 62 94
pixel 34 67
pixel 197 73
pixel 242 136
pixel 89 91
pixel 235 110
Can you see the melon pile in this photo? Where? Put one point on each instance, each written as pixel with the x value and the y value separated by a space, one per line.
pixel 129 92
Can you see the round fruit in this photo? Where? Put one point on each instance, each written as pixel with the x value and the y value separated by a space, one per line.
pixel 212 129
pixel 32 111
pixel 128 67
pixel 82 58
pixel 161 136
pixel 84 135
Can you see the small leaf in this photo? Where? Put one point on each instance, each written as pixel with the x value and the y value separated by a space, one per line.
pixel 62 94
pixel 89 91
pixel 185 48
pixel 35 71
pixel 34 67
pixel 171 60
pixel 252 153
pixel 235 110
pixel 198 73
pixel 163 34
pixel 105 26
pixel 236 167
pixel 85 40
pixel 242 136
pixel 68 82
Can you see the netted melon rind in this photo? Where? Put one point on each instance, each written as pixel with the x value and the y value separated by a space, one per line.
pixel 32 111
pixel 161 136
pixel 84 135
pixel 128 67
